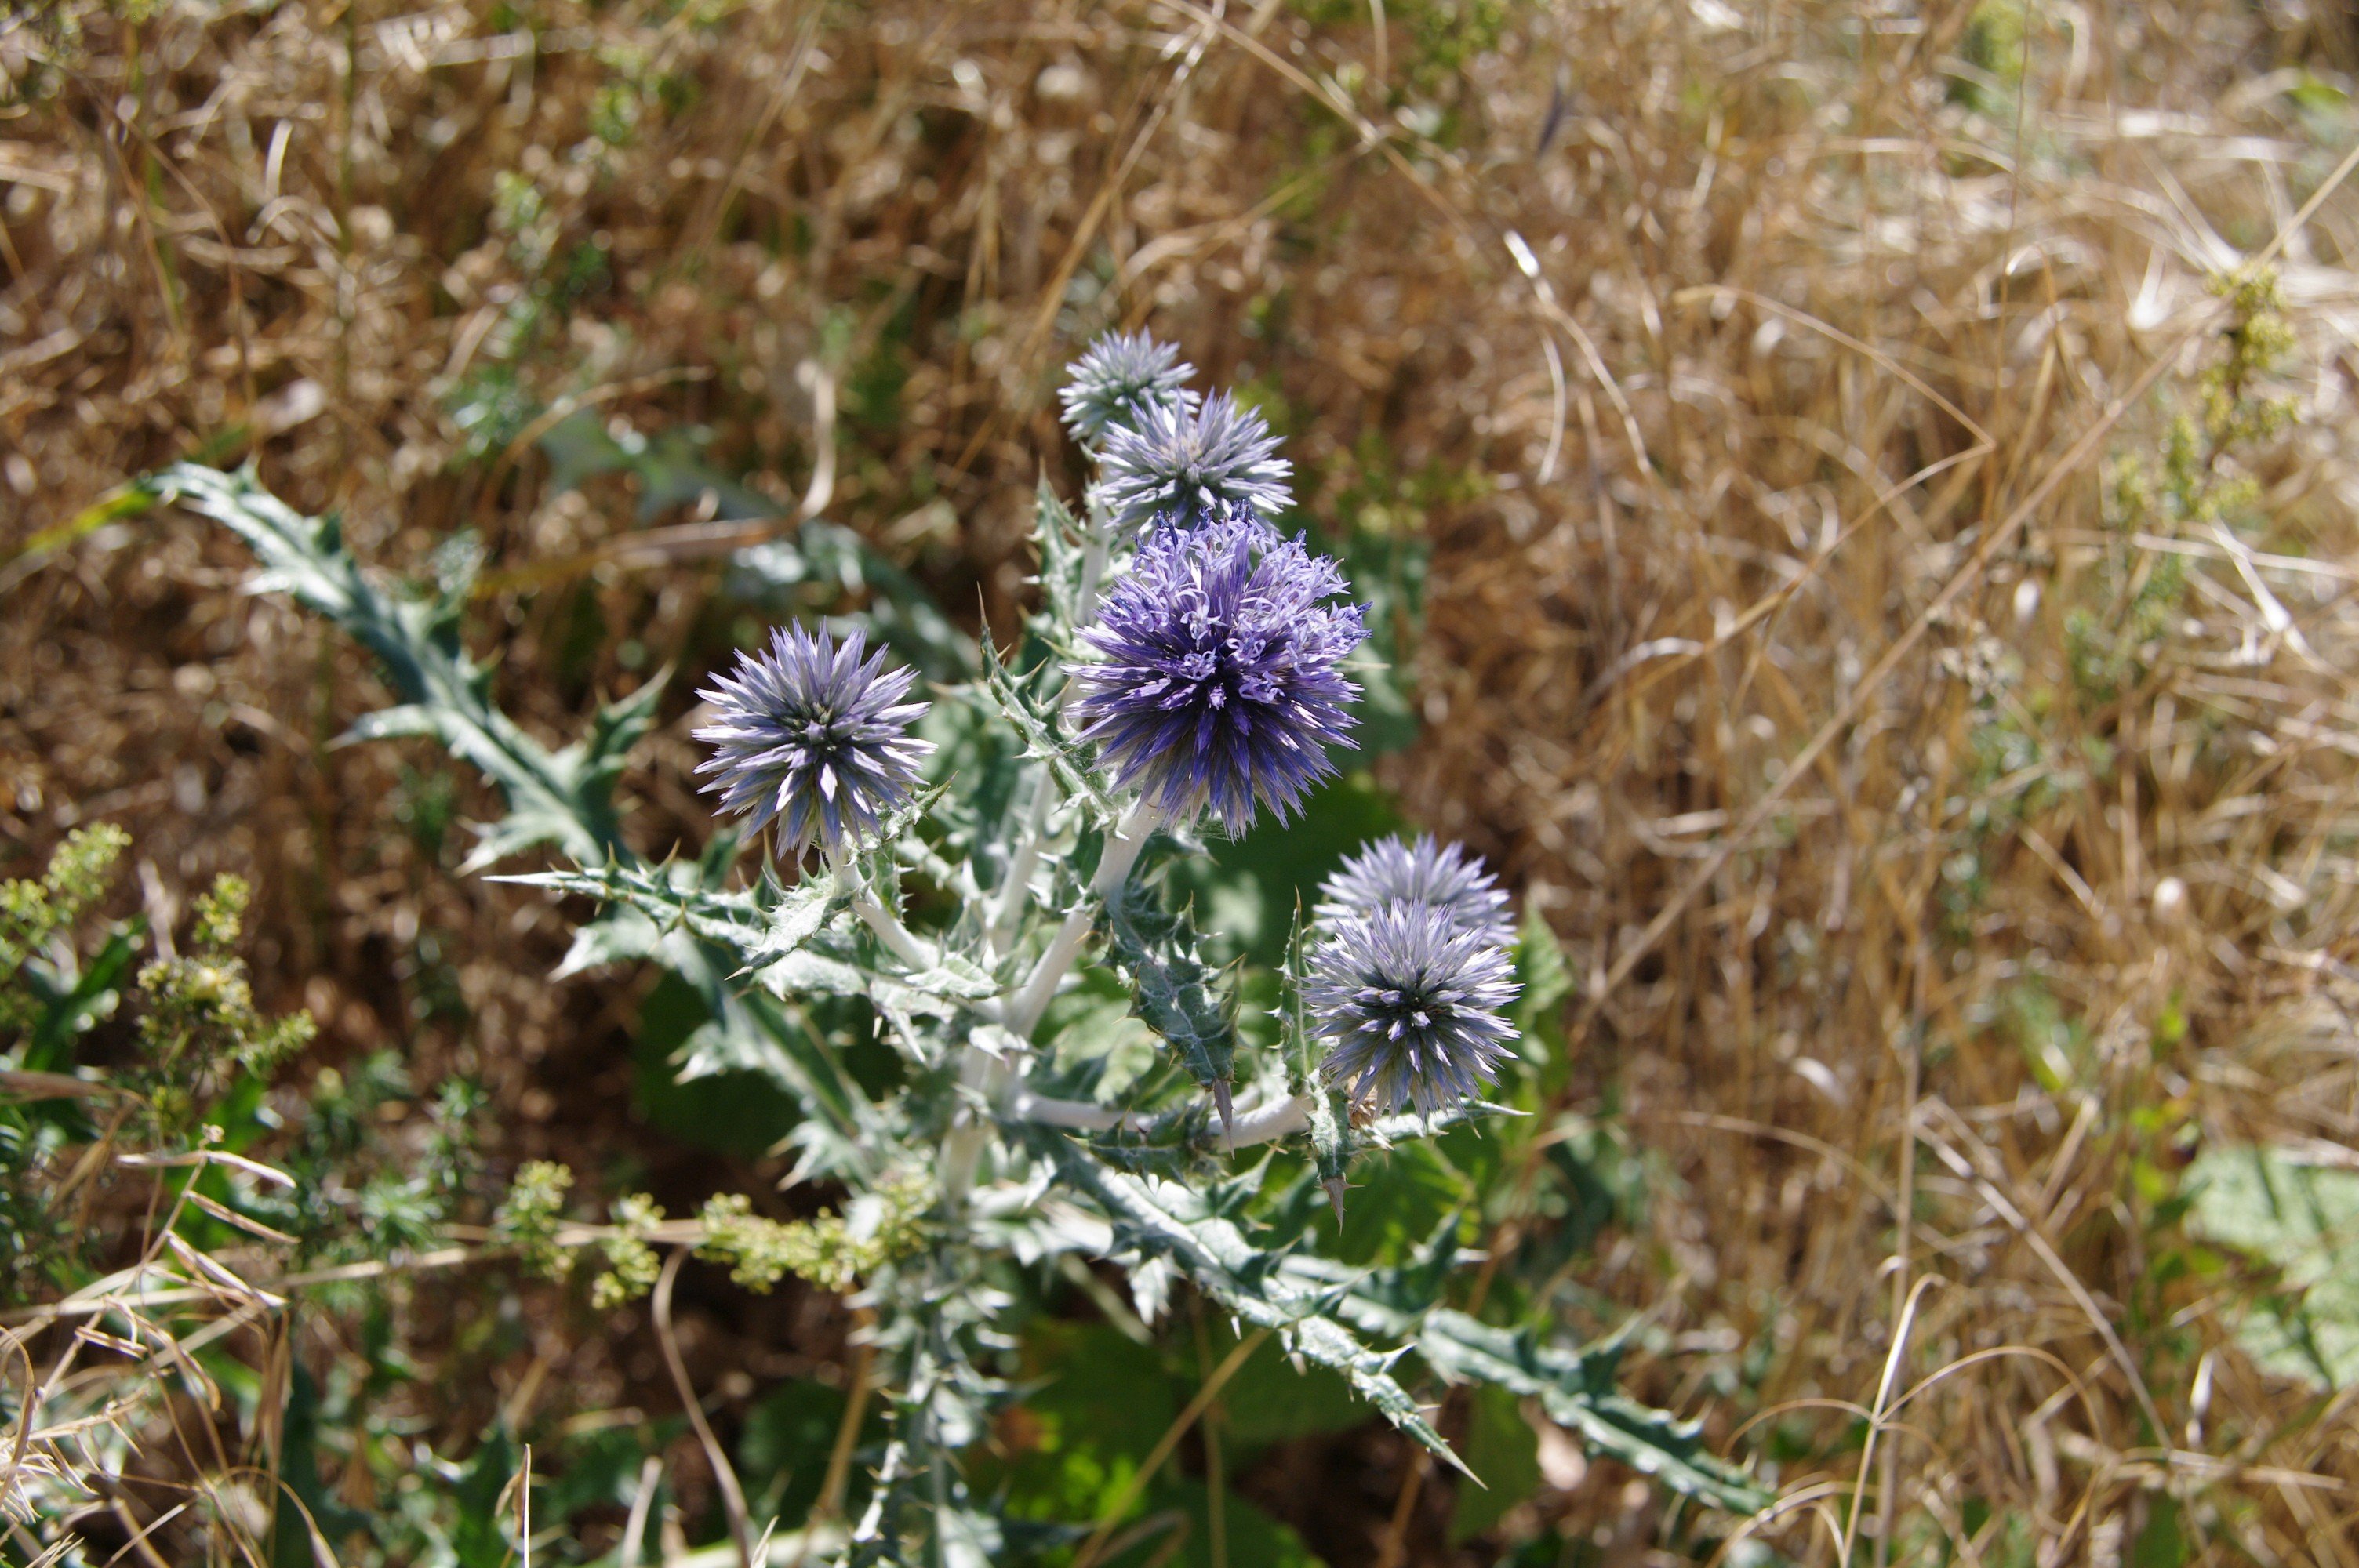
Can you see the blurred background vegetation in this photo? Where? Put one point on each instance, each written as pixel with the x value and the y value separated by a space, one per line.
pixel 1860 501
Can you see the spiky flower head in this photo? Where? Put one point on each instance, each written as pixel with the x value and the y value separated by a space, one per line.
pixel 1121 374
pixel 1392 871
pixel 1411 1002
pixel 1218 679
pixel 1181 466
pixel 812 737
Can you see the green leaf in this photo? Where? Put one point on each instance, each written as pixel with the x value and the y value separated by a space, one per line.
pixel 1253 1538
pixel 299 1472
pixel 790 1436
pixel 956 978
pixel 560 798
pixel 68 1012
pixel 1270 1400
pixel 744 1112
pixel 1576 1389
pixel 1334 1141
pixel 795 921
pixel 1096 1048
pixel 1167 1219
pixel 1054 534
pixel 1096 1402
pixel 1540 968
pixel 1248 888
pixel 2304 1220
pixel 2162 1543
pixel 1503 1450
pixel 482 1538
pixel 1398 1197
pixel 618 935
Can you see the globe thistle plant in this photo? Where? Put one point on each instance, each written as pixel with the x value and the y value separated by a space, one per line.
pixel 1444 876
pixel 810 737
pixel 1219 680
pixel 1184 465
pixel 1411 1001
pixel 1205 680
pixel 1121 376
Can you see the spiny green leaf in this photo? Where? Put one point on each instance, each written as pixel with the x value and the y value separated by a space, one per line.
pixel 1170 1220
pixel 1019 701
pixel 553 797
pixel 1053 531
pixel 1174 988
pixel 619 934
pixel 954 977
pixel 1576 1388
pixel 796 920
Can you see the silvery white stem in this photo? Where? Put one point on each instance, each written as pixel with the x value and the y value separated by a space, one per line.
pixel 963 1147
pixel 1268 1123
pixel 1122 847
pixel 1262 1124
pixel 910 948
pixel 1079 1116
pixel 1016 888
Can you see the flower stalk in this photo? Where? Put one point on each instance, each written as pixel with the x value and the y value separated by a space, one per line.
pixel 1024 1007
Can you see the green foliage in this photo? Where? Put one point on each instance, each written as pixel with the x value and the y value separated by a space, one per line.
pixel 2195 480
pixel 1503 1450
pixel 563 797
pixel 1993 40
pixel 2302 1221
pixel 789 1440
pixel 1577 1391
pixel 528 1219
pixel 1439 37
pixel 831 1252
pixel 1100 1404
pixel 35 914
pixel 199 1028
pixel 631 1263
pixel 203 1047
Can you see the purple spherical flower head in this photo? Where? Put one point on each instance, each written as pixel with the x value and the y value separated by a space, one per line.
pixel 1219 682
pixel 1411 1001
pixel 809 735
pixel 1445 876
pixel 1121 374
pixel 1183 466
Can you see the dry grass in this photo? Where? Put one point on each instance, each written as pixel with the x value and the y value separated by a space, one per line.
pixel 1788 458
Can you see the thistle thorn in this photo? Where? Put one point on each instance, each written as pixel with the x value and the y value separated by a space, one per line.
pixel 1228 1121
pixel 1334 1185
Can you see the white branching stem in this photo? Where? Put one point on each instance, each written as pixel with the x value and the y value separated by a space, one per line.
pixel 1260 1124
pixel 1020 1010
pixel 912 950
pixel 1016 888
pixel 984 1078
pixel 909 947
pixel 1024 1009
